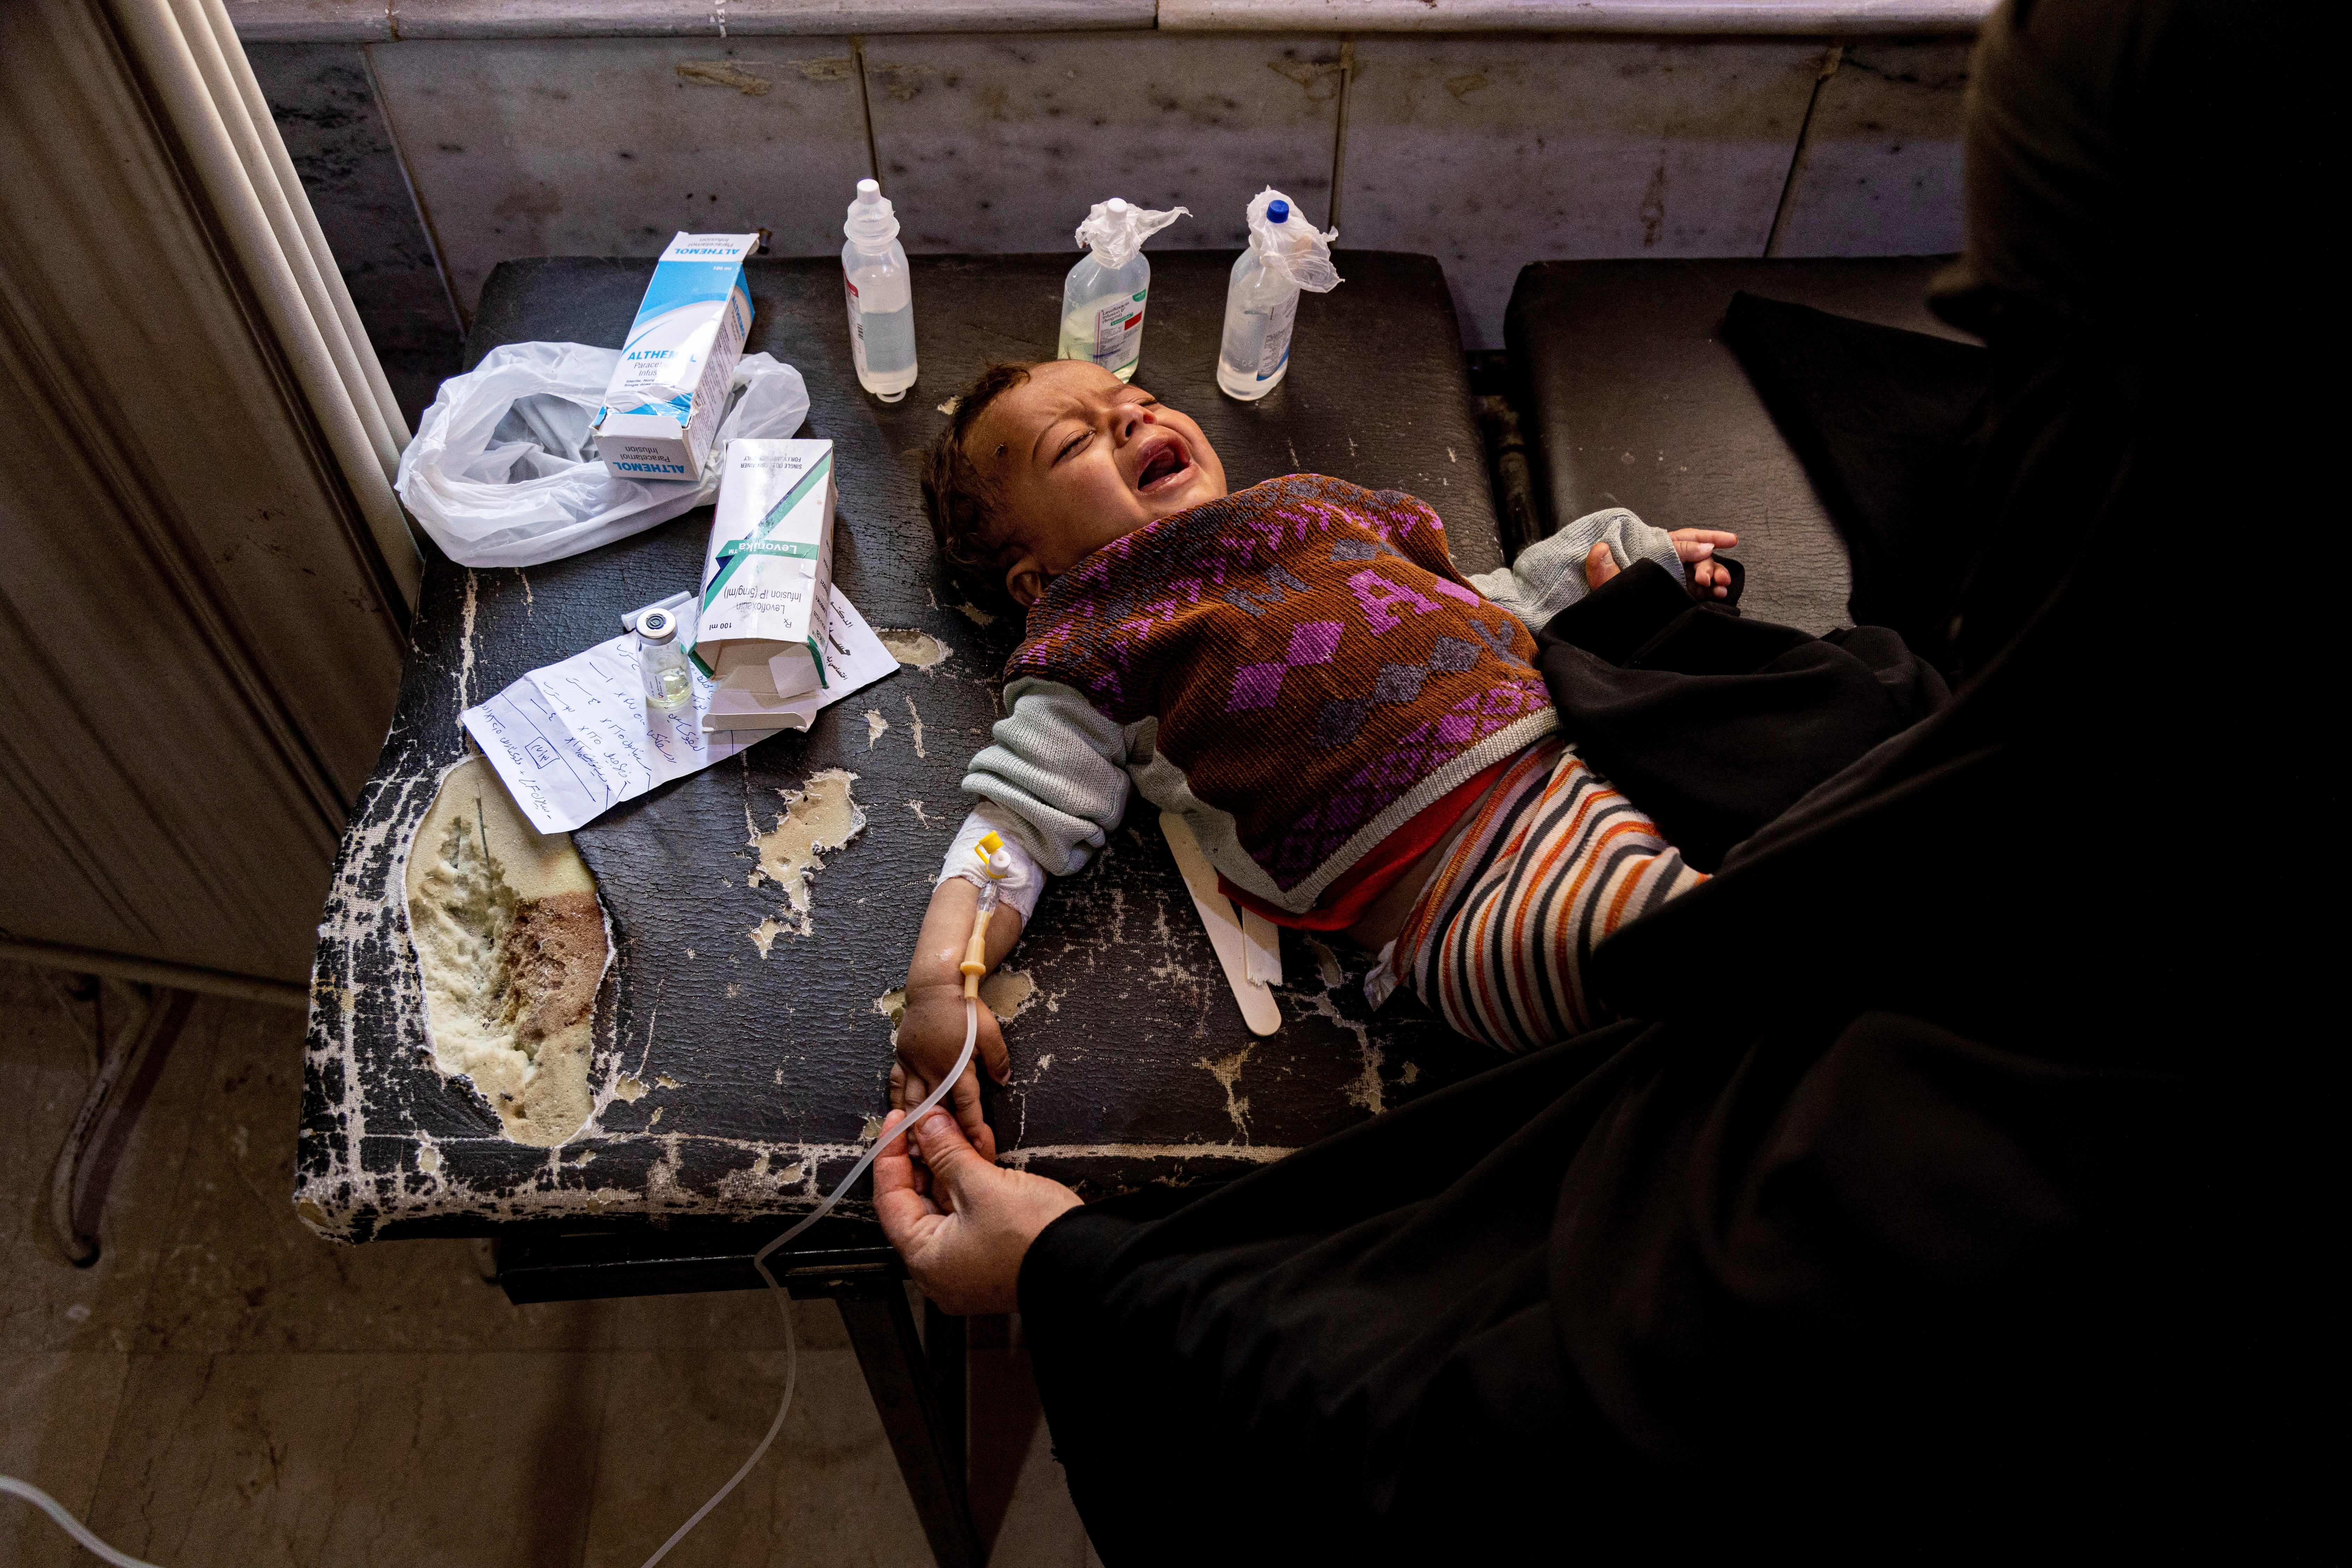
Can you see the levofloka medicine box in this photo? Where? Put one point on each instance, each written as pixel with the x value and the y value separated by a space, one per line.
pixel 667 394
pixel 767 587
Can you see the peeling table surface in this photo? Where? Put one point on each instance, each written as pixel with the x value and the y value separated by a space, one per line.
pixel 742 1044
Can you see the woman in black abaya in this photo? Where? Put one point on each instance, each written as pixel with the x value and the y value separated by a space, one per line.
pixel 1942 1183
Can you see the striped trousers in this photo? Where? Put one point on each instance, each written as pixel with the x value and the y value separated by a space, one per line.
pixel 1553 860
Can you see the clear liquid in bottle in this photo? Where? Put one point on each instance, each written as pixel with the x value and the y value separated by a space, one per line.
pixel 1102 314
pixel 1261 307
pixel 1285 255
pixel 879 292
pixel 662 662
pixel 1104 297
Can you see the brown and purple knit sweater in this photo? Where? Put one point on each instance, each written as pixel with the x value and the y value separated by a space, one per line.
pixel 1297 668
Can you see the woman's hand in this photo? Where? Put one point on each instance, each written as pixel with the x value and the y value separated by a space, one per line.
pixel 930 1037
pixel 964 1241
pixel 1696 548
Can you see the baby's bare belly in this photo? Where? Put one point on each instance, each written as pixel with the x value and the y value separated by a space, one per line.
pixel 1387 914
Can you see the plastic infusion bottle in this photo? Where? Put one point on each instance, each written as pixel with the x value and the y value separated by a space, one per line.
pixel 881 302
pixel 1285 255
pixel 662 660
pixel 1102 299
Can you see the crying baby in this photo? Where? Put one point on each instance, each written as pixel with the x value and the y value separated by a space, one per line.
pixel 1355 731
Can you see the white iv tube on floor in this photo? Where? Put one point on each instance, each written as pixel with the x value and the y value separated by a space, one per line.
pixel 67 1523
pixel 975 964
pixel 784 1301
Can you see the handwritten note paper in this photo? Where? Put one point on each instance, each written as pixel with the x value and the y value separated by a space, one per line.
pixel 575 739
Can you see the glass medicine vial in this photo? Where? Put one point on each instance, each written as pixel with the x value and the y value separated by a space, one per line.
pixel 668 681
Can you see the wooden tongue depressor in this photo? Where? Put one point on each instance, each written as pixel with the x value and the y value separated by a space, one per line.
pixel 1259 1009
pixel 1261 948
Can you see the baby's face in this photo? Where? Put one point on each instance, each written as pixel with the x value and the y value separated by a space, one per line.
pixel 1081 458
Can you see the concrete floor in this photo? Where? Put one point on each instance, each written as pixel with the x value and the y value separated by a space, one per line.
pixel 223 1390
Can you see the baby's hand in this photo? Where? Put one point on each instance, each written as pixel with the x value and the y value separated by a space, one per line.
pixel 930 1037
pixel 1709 579
pixel 1695 546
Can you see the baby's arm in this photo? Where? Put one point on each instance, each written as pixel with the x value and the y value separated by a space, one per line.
pixel 1549 574
pixel 1050 786
pixel 930 1030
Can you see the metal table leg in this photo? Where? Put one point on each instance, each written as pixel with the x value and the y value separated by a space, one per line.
pixel 944 1346
pixel 117 1084
pixel 928 1446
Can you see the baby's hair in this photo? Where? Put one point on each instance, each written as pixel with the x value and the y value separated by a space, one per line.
pixel 959 496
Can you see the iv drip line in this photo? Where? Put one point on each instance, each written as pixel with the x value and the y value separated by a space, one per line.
pixel 993 860
pixel 994 863
pixel 784 1301
pixel 69 1523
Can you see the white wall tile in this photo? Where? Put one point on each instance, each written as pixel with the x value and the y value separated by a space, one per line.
pixel 1001 144
pixel 1880 172
pixel 1490 153
pixel 743 18
pixel 1709 17
pixel 311 21
pixel 608 146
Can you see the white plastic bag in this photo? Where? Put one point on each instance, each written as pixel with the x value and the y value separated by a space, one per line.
pixel 503 470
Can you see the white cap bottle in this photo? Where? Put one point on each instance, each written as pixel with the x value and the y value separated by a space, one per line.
pixel 881 297
pixel 1285 255
pixel 1104 297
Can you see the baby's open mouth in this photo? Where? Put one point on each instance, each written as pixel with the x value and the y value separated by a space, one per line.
pixel 1165 462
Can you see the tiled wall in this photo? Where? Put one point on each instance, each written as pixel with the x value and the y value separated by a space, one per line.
pixel 1881 160
pixel 1493 153
pixel 993 143
pixel 1487 152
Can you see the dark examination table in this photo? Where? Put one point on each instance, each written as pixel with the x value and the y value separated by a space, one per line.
pixel 768 1066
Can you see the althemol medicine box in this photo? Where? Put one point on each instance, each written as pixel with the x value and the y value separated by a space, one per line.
pixel 767 587
pixel 667 394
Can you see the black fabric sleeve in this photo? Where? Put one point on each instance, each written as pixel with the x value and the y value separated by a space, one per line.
pixel 1619 617
pixel 1886 423
pixel 1339 1356
pixel 1714 724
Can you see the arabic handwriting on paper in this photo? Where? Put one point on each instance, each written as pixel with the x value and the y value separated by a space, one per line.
pixel 576 738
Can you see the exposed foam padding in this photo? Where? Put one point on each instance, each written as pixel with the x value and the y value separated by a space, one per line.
pixel 512 943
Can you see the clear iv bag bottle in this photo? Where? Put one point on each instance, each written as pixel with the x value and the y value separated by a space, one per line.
pixel 1104 295
pixel 1286 254
pixel 1261 307
pixel 881 298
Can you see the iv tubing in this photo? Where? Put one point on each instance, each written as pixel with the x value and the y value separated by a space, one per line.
pixel 75 1528
pixel 67 1523
pixel 759 1259
pixel 973 966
